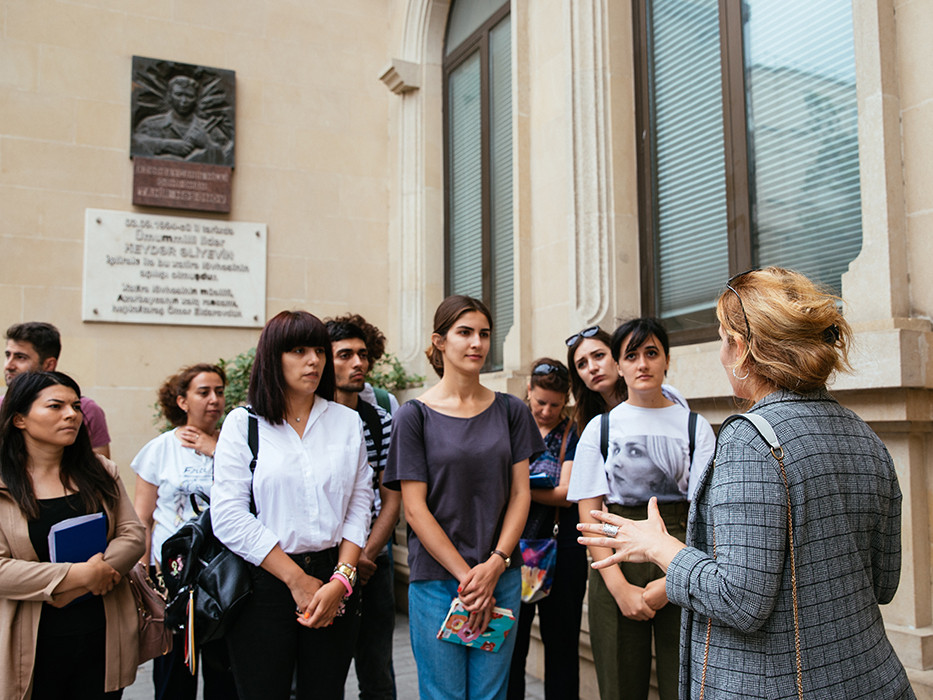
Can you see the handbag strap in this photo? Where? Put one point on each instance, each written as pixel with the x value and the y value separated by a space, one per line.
pixel 560 461
pixel 764 429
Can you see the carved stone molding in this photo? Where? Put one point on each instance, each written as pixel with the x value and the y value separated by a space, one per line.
pixel 592 174
pixel 401 76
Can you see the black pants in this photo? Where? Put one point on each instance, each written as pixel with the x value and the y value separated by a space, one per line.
pixel 267 644
pixel 559 616
pixel 173 681
pixel 71 667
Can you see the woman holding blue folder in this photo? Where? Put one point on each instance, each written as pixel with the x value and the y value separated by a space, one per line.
pixel 49 474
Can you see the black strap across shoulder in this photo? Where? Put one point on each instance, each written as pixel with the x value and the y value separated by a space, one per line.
pixel 604 434
pixel 371 417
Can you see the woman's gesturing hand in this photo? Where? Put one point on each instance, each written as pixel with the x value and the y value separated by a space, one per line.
pixel 633 540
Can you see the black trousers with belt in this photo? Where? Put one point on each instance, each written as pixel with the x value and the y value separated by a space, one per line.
pixel 268 647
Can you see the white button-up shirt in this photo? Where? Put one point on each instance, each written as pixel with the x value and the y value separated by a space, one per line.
pixel 311 491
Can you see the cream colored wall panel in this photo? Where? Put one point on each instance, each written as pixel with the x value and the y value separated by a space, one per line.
pixel 38 116
pixel 103 124
pixel 228 16
pixel 918 157
pixel 920 255
pixel 92 74
pixel 19 64
pixel 52 166
pixel 57 258
pixel 64 24
pixel 177 41
pixel 914 51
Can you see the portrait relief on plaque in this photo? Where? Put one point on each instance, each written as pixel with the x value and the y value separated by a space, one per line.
pixel 182 112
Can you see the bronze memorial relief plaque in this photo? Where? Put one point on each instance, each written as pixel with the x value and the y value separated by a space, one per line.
pixel 182 135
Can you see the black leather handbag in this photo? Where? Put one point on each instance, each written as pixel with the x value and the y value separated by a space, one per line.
pixel 207 583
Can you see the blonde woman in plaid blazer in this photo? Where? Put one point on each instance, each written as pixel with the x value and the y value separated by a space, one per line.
pixel 782 339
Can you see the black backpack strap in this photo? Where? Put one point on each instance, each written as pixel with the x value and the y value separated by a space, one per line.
pixel 252 438
pixel 692 432
pixel 604 435
pixel 373 421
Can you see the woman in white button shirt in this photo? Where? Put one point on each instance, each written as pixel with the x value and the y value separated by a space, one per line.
pixel 312 490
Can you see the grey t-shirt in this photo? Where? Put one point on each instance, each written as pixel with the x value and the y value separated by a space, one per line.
pixel 467 465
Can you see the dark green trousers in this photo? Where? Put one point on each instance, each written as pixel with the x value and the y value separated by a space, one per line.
pixel 621 646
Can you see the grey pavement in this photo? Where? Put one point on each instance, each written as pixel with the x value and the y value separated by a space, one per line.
pixel 406 676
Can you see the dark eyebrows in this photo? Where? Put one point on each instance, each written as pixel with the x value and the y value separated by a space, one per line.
pixel 464 326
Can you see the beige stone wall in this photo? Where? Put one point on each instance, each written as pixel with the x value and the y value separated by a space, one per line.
pixel 312 162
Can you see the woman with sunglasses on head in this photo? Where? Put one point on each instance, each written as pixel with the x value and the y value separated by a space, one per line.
pixel 559 613
pixel 794 538
pixel 459 454
pixel 300 519
pixel 170 469
pixel 645 448
pixel 68 631
pixel 595 382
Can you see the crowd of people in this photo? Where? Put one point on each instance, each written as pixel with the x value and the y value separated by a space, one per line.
pixel 751 564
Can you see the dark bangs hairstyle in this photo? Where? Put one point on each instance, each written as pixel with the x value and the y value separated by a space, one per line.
pixel 589 404
pixel 177 385
pixel 640 329
pixel 446 315
pixel 285 331
pixel 80 470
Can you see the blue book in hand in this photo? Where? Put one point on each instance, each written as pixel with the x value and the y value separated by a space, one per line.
pixel 78 539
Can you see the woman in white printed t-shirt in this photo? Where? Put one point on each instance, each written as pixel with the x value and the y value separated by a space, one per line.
pixel 650 451
pixel 170 469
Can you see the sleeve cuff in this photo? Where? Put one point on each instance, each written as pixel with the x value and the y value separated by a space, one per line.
pixel 680 573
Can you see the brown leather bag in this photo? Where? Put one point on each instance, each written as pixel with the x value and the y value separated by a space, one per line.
pixel 155 639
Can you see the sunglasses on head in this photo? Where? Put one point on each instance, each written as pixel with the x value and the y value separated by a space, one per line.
pixel 732 280
pixel 585 333
pixel 545 368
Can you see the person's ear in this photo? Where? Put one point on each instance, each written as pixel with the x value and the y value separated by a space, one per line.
pixel 19 421
pixel 49 364
pixel 182 403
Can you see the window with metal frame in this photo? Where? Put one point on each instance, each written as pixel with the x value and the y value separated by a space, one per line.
pixel 748 148
pixel 478 161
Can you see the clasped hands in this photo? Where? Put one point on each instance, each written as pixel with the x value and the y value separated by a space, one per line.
pixel 317 603
pixel 476 593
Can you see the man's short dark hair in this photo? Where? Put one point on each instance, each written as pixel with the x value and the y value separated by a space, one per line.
pixel 343 330
pixel 44 337
pixel 372 336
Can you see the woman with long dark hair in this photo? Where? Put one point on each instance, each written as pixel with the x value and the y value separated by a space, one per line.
pixel 559 613
pixel 67 630
pixel 794 536
pixel 170 469
pixel 459 454
pixel 312 494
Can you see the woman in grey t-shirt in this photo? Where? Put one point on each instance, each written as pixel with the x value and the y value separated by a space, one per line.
pixel 460 456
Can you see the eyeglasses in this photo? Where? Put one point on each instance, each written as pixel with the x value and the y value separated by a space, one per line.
pixel 545 368
pixel 585 333
pixel 748 328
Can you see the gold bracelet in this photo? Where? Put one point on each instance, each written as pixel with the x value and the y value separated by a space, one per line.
pixel 348 571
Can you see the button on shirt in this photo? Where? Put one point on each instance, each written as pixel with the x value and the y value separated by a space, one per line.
pixel 311 492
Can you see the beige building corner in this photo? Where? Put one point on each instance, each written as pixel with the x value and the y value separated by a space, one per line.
pixel 340 151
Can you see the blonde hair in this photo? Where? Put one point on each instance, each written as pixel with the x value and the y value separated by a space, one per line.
pixel 794 335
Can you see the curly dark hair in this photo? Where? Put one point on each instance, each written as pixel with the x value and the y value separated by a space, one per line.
pixel 373 337
pixel 177 385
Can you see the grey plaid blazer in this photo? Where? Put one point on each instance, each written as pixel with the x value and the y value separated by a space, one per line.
pixel 846 507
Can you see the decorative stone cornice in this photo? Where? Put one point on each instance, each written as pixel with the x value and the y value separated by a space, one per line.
pixel 401 76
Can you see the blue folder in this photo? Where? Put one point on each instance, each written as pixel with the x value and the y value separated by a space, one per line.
pixel 78 539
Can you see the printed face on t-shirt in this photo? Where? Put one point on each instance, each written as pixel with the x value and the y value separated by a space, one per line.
pixel 642 466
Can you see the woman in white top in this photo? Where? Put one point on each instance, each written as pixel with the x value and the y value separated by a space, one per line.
pixel 170 469
pixel 300 519
pixel 649 453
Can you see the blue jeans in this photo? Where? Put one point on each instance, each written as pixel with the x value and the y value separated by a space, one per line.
pixel 449 671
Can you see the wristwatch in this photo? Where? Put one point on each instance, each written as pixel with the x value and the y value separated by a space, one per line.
pixel 505 557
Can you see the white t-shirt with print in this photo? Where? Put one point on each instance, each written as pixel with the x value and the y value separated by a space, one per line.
pixel 648 456
pixel 178 471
